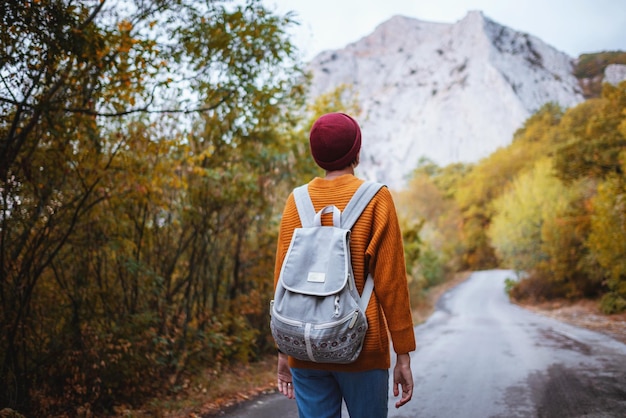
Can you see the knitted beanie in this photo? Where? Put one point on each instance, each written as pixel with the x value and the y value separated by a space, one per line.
pixel 335 141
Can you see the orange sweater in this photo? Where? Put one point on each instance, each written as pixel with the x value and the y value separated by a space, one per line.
pixel 376 246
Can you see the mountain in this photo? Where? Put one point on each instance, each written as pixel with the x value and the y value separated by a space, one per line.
pixel 446 92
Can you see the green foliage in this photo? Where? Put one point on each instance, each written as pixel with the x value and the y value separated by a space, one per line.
pixel 540 226
pixel 145 153
pixel 431 268
pixel 435 249
pixel 567 234
pixel 590 70
pixel 564 237
pixel 515 230
pixel 492 176
pixel 141 148
pixel 412 246
pixel 539 129
pixel 607 240
pixel 596 137
pixel 612 303
pixel 592 65
pixel 509 285
pixel 550 204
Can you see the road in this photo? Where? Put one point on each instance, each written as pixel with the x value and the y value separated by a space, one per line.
pixel 480 356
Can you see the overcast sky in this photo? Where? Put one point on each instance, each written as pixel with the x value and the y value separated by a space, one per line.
pixel 571 26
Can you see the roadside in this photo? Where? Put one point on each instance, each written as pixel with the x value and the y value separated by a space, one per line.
pixel 585 314
pixel 209 395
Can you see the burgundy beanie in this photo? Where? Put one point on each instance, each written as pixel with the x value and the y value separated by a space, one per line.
pixel 335 141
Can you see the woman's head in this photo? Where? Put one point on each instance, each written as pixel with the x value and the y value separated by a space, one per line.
pixel 335 141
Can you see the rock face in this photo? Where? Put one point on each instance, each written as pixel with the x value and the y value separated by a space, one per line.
pixel 446 92
pixel 615 73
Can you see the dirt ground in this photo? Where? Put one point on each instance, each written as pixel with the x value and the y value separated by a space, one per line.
pixel 584 314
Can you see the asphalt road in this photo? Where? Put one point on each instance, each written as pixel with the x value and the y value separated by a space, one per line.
pixel 481 356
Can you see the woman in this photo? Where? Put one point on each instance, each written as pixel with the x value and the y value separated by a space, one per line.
pixel 376 247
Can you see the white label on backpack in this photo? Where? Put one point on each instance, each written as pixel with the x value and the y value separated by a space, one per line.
pixel 316 277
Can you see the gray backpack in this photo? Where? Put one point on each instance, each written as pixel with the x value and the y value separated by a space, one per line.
pixel 317 313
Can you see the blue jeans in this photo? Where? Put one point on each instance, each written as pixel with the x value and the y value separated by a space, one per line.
pixel 319 393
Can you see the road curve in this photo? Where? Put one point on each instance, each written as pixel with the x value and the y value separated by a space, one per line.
pixel 480 356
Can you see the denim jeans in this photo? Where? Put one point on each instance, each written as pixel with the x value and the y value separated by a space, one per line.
pixel 319 393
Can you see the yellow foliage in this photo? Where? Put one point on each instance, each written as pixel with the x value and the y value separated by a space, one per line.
pixel 125 26
pixel 142 194
pixel 516 228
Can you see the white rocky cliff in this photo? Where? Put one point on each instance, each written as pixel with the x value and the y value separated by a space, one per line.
pixel 615 73
pixel 447 92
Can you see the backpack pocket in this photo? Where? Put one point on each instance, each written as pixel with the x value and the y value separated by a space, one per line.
pixel 338 341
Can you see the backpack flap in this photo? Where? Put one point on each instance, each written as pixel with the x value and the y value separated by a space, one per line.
pixel 317 269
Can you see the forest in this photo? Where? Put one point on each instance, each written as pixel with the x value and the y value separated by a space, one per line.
pixel 551 206
pixel 146 150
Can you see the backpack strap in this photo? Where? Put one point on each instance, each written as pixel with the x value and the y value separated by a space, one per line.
pixel 349 216
pixel 358 203
pixel 367 293
pixel 305 207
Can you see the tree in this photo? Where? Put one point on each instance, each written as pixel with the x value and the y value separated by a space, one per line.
pixel 427 207
pixel 516 229
pixel 594 141
pixel 594 152
pixel 607 240
pixel 569 269
pixel 490 177
pixel 139 146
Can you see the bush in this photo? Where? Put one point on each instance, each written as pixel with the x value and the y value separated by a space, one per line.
pixel 612 303
pixel 536 288
pixel 509 285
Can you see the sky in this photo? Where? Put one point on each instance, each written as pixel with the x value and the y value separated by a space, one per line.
pixel 571 26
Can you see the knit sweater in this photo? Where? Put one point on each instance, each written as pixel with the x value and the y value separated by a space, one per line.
pixel 376 247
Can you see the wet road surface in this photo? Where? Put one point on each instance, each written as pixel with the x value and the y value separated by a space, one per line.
pixel 480 356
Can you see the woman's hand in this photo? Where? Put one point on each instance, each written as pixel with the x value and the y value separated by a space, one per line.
pixel 402 376
pixel 285 385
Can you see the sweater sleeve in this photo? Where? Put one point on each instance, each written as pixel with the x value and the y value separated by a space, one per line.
pixel 386 254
